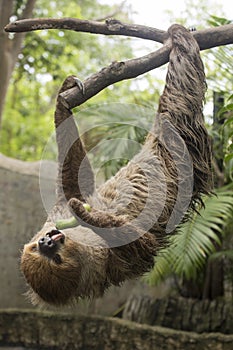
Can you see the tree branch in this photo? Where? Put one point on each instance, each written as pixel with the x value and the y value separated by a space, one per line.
pixel 118 71
pixel 213 37
pixel 110 27
pixel 113 73
pixel 206 38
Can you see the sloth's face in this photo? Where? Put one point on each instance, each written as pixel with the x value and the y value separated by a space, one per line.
pixel 51 268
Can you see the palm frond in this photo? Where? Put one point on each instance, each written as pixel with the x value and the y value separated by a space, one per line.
pixel 195 240
pixel 223 254
pixel 114 132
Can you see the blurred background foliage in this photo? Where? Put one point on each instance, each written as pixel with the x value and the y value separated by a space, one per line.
pixel 47 57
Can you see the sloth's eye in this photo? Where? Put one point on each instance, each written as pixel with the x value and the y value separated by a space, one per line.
pixel 33 248
pixel 57 259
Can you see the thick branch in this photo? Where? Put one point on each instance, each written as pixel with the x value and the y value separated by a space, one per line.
pixel 110 27
pixel 115 72
pixel 118 71
pixel 212 37
pixel 206 38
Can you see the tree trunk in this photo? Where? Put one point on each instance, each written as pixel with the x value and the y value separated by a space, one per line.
pixel 10 47
pixel 214 280
pixel 214 274
pixel 6 10
pixel 181 313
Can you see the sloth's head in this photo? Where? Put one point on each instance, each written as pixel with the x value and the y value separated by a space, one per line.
pixel 51 267
pixel 60 266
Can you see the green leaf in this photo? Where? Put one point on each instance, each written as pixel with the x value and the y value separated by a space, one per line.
pixel 228 121
pixel 195 240
pixel 228 157
pixel 218 21
pixel 230 97
pixel 223 254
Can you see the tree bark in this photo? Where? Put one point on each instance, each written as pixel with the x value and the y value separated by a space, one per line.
pixel 116 71
pixel 119 71
pixel 6 8
pixel 206 38
pixel 10 47
pixel 181 313
pixel 110 27
pixel 214 279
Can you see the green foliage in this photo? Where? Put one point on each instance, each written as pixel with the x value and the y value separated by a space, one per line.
pixel 114 133
pixel 18 6
pixel 196 239
pixel 221 133
pixel 219 65
pixel 46 59
pixel 28 123
pixel 218 21
pixel 196 13
pixel 218 62
pixel 228 130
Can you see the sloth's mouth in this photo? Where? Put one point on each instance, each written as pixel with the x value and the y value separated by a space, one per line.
pixel 56 235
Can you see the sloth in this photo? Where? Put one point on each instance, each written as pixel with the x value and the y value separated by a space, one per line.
pixel 133 212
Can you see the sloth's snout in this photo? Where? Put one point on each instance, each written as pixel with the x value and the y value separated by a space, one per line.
pixel 49 244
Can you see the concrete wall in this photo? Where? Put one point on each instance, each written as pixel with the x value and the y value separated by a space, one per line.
pixel 21 215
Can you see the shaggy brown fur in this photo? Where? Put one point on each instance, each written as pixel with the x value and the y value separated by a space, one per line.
pixel 134 210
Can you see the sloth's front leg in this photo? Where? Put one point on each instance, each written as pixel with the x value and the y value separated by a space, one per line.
pixel 116 230
pixel 94 217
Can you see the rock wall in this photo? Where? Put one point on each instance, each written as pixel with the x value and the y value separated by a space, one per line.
pixel 48 331
pixel 21 215
pixel 181 313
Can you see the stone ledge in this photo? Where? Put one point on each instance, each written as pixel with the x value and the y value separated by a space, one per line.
pixel 56 331
pixel 28 168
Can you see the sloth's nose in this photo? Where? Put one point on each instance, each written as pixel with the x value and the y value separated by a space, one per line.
pixel 47 246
